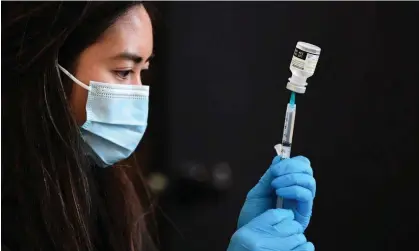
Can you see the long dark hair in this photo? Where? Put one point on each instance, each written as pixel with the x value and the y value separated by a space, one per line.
pixel 53 198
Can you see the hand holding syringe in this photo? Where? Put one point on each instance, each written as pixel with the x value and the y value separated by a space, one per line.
pixel 302 66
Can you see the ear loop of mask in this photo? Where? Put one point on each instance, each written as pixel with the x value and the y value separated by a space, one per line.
pixel 74 78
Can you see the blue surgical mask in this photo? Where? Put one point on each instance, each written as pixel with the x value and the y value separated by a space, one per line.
pixel 116 119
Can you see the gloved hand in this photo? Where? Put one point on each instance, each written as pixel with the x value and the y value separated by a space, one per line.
pixel 290 179
pixel 274 230
pixel 295 183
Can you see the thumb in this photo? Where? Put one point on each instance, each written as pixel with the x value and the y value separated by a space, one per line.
pixel 259 199
pixel 263 188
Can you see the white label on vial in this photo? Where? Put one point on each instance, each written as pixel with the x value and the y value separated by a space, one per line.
pixel 311 62
pixel 298 63
pixel 304 61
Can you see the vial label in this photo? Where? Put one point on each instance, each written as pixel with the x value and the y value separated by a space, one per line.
pixel 311 62
pixel 304 61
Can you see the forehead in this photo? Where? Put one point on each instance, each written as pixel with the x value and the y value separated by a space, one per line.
pixel 131 32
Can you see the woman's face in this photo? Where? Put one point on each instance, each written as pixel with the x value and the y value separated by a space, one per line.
pixel 118 57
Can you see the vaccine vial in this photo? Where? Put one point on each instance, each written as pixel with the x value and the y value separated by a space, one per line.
pixel 303 65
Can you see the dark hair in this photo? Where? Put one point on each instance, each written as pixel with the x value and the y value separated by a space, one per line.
pixel 53 198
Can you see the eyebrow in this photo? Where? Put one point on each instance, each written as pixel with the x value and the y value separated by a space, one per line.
pixel 132 57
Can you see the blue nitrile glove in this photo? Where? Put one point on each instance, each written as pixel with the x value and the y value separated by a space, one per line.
pixel 262 197
pixel 295 183
pixel 274 230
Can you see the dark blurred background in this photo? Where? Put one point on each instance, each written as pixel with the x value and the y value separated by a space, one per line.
pixel 218 101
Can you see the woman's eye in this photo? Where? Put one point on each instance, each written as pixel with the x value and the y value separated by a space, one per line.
pixel 123 74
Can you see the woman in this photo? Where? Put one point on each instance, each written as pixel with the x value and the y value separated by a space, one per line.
pixel 75 108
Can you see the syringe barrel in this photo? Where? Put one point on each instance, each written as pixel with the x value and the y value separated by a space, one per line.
pixel 288 131
pixel 284 149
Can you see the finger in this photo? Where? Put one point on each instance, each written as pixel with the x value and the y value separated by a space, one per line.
pixel 293 165
pixel 288 227
pixel 295 193
pixel 252 208
pixel 259 199
pixel 287 243
pixel 272 217
pixel 302 159
pixel 299 179
pixel 276 160
pixel 308 246
pixel 294 241
pixel 263 188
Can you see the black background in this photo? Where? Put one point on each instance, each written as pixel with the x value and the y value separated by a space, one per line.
pixel 219 96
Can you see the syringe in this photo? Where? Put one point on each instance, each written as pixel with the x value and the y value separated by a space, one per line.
pixel 284 149
pixel 302 66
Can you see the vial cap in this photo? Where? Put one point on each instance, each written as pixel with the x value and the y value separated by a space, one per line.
pixel 308 47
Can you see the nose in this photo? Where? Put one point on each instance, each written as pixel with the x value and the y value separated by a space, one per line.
pixel 137 80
